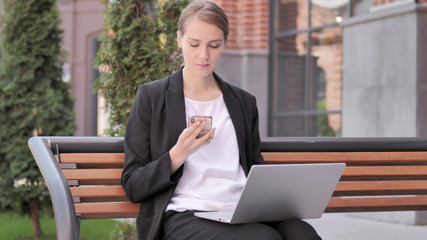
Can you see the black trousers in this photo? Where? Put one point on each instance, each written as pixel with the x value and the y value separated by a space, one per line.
pixel 186 226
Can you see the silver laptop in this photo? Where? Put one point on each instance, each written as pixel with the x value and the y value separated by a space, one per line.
pixel 283 191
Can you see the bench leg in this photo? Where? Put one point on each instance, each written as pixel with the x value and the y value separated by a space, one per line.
pixel 78 218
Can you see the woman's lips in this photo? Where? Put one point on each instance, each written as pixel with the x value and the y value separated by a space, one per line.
pixel 203 65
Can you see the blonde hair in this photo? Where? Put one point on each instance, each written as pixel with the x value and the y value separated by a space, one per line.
pixel 205 11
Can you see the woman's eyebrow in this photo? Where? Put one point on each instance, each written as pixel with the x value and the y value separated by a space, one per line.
pixel 212 41
pixel 193 39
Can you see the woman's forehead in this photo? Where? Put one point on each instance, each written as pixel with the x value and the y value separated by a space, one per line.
pixel 202 30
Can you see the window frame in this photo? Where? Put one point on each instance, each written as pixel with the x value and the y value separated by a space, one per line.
pixel 274 37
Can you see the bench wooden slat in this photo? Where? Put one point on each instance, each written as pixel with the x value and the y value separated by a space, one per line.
pixel 107 210
pixel 351 158
pixel 108 215
pixel 99 194
pixel 109 207
pixel 385 172
pixel 97 191
pixel 93 158
pixel 350 173
pixel 377 204
pixel 373 188
pixel 347 188
pixel 92 174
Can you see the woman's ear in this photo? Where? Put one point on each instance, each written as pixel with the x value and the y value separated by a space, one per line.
pixel 178 38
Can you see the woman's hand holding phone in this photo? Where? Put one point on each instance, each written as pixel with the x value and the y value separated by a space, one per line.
pixel 198 134
pixel 206 122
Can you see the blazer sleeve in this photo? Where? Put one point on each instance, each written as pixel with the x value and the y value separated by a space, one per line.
pixel 143 176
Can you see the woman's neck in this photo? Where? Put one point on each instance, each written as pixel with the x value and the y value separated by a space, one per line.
pixel 200 88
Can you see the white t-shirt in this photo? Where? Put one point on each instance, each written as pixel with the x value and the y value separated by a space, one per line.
pixel 213 178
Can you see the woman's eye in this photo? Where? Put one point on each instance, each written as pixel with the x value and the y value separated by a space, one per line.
pixel 214 46
pixel 194 45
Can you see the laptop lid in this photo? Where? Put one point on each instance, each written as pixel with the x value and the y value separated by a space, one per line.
pixel 284 191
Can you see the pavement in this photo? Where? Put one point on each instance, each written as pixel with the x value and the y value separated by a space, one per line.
pixel 340 226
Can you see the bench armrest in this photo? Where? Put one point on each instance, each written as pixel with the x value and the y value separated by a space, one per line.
pixel 65 217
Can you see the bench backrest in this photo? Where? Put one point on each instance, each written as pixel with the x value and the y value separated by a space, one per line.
pixel 387 181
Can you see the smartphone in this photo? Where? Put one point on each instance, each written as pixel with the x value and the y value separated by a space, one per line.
pixel 206 128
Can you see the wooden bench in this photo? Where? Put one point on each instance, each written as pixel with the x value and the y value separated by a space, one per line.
pixel 382 174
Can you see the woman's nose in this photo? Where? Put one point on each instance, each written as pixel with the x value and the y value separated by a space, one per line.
pixel 204 53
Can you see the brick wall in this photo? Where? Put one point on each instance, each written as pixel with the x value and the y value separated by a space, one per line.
pixel 381 2
pixel 248 23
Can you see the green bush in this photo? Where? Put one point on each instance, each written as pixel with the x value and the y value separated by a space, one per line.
pixel 139 45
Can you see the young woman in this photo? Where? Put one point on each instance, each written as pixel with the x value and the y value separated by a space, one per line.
pixel 174 173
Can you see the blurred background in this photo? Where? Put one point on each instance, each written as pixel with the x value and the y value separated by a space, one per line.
pixel 318 68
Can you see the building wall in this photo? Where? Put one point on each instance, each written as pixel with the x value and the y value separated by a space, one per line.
pixel 380 81
pixel 248 69
pixel 82 22
pixel 384 83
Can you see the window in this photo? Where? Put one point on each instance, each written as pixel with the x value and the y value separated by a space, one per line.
pixel 306 66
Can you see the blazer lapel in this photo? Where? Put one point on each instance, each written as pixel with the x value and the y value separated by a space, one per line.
pixel 175 106
pixel 234 108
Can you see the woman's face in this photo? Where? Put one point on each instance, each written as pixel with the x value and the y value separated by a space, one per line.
pixel 202 45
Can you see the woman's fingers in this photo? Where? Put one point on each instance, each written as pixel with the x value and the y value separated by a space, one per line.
pixel 195 129
pixel 208 137
pixel 188 144
pixel 192 128
pixel 190 139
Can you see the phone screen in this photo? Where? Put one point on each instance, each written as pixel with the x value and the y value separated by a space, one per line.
pixel 206 128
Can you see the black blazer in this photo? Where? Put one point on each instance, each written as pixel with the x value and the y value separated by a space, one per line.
pixel 156 120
